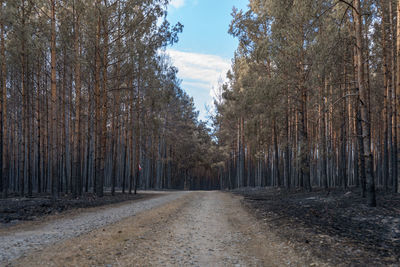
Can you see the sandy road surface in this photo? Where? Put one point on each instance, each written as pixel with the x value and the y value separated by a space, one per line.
pixel 192 229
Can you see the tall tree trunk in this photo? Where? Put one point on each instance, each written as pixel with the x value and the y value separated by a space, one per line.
pixel 387 103
pixel 76 170
pixel 242 152
pixel 365 125
pixel 53 109
pixel 393 140
pixel 277 172
pixel 131 148
pixel 104 98
pixel 4 161
pixel 304 143
pixel 397 103
pixel 23 112
pixel 99 178
pixel 287 154
pixel 137 137
pixel 29 145
pixel 39 121
pixel 323 135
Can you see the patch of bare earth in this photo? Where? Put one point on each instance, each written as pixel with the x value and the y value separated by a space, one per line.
pixel 198 229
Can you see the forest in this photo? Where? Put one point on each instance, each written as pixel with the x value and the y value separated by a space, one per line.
pixel 89 97
pixel 92 102
pixel 313 96
pixel 105 159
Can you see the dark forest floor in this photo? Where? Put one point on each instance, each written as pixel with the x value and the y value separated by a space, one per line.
pixel 335 226
pixel 16 209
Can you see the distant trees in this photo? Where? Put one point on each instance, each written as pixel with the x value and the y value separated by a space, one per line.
pixel 87 95
pixel 315 84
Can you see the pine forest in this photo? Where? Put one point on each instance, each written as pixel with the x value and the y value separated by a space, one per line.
pixel 292 161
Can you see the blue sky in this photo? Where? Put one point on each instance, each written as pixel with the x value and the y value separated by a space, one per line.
pixel 205 49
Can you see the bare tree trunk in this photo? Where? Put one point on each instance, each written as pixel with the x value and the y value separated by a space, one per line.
pixel 242 152
pixel 4 161
pixel 287 155
pixel 137 137
pixel 323 136
pixel 99 175
pixel 131 149
pixel 23 112
pixel 115 119
pixel 39 136
pixel 365 125
pixel 304 145
pixel 104 109
pixel 238 183
pixel 126 147
pixel 277 172
pixel 393 140
pixel 53 109
pixel 396 183
pixel 76 170
pixel 387 104
pixel 29 145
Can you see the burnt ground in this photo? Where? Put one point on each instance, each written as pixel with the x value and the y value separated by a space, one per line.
pixel 336 226
pixel 16 209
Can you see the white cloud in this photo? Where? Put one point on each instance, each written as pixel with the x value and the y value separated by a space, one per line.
pixel 177 3
pixel 200 72
pixel 208 70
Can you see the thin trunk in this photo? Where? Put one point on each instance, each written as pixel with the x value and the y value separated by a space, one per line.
pixel 104 104
pixel 4 159
pixel 76 170
pixel 137 136
pixel 323 136
pixel 23 112
pixel 278 176
pixel 393 140
pixel 396 183
pixel 39 140
pixel 287 155
pixel 387 103
pixel 99 175
pixel 363 90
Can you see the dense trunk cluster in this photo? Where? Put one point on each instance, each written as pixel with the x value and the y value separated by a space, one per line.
pixel 88 97
pixel 312 98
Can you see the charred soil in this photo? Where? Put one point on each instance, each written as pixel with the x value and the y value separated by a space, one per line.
pixel 336 226
pixel 16 209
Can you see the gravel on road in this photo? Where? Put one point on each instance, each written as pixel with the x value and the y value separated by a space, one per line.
pixel 18 242
pixel 192 229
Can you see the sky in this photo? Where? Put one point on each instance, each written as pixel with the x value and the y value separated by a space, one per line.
pixel 205 49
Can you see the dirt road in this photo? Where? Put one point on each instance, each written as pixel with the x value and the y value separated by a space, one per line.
pixel 192 229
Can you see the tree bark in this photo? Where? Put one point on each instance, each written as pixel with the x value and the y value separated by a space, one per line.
pixel 4 161
pixel 365 125
pixel 53 110
pixel 76 170
pixel 98 165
